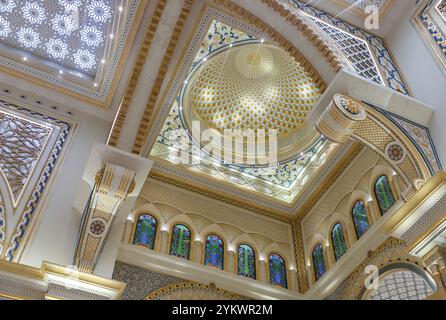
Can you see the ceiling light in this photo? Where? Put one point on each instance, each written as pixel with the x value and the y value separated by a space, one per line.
pixel 262 41
pixel 95 84
pixel 112 35
pixel 25 58
pixel 60 71
pixel 121 8
pixel 103 61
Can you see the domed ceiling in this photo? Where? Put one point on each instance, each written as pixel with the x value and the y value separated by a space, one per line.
pixel 237 81
pixel 251 86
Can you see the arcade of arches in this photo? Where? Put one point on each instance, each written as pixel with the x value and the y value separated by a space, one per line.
pixel 117 178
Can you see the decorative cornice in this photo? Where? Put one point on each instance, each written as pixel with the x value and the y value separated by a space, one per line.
pixel 155 174
pixel 144 128
pixel 54 282
pixel 139 65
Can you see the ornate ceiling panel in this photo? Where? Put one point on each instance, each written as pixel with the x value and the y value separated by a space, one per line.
pixel 402 285
pixel 31 145
pixel 21 143
pixel 72 45
pixel 228 62
pixel 72 33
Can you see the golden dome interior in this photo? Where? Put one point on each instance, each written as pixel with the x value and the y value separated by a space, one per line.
pixel 252 86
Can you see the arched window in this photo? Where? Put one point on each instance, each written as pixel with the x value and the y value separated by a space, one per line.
pixel 360 219
pixel 214 252
pixel 338 240
pixel 246 261
pixel 180 243
pixel 145 231
pixel 318 261
pixel 384 194
pixel 277 271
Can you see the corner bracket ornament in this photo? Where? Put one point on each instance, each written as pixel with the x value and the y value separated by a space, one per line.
pixel 112 186
pixel 349 119
pixel 341 118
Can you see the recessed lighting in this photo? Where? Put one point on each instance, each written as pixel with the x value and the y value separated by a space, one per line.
pixel 60 71
pixel 103 61
pixel 25 59
pixel 112 35
pixel 262 41
pixel 205 59
pixel 230 46
pixel 95 84
pixel 121 8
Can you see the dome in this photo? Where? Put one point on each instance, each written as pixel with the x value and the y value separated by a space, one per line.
pixel 251 86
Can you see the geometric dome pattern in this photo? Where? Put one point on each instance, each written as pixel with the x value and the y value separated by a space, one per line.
pixel 252 86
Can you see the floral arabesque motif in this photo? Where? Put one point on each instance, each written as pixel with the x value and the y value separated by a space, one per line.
pixel 21 143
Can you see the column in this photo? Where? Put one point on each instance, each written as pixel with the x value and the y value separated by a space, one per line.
pixel 164 241
pixel 198 248
pixel 263 272
pixel 231 266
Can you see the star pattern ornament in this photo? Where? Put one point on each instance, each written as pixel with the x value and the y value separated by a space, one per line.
pixel 91 36
pixel 33 12
pixel 5 29
pixel 72 33
pixel 84 59
pixel 7 5
pixel 70 4
pixel 99 11
pixel 28 37
pixel 57 48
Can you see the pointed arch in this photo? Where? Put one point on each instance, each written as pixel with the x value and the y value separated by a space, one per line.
pixel 277 271
pixel 214 252
pixel 318 261
pixel 384 194
pixel 338 241
pixel 360 218
pixel 246 258
pixel 145 231
pixel 180 241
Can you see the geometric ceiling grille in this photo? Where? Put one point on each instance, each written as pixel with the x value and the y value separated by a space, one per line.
pixel 402 285
pixel 70 33
pixel 21 143
pixel 355 50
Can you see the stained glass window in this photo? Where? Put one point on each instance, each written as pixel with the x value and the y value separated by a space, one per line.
pixel 246 261
pixel 180 243
pixel 277 271
pixel 214 252
pixel 145 231
pixel 337 237
pixel 384 194
pixel 360 218
pixel 318 261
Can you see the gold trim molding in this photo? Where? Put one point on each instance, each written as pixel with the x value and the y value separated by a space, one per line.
pixel 136 74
